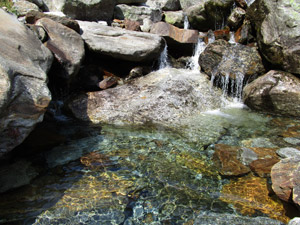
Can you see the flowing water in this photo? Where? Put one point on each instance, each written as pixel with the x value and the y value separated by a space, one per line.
pixel 128 175
pixel 186 24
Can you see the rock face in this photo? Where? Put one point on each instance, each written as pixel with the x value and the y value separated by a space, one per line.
pixel 33 16
pixel 121 44
pixel 275 92
pixel 166 5
pixel 166 97
pixel 66 45
pixel 278 32
pixel 84 10
pixel 137 13
pixel 24 96
pixel 286 179
pixel 209 14
pixel 223 58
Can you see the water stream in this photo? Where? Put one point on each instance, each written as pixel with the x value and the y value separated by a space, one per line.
pixel 154 175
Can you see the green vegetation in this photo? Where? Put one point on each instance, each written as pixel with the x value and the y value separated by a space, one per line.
pixel 8 4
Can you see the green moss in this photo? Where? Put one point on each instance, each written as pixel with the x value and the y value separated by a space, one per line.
pixel 8 4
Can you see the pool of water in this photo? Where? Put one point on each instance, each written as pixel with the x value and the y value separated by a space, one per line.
pixel 153 175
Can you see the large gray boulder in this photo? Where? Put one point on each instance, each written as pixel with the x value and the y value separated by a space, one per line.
pixel 209 14
pixel 276 92
pixel 166 5
pixel 137 13
pixel 165 97
pixel 21 7
pixel 188 3
pixel 221 58
pixel 277 23
pixel 120 43
pixel 92 10
pixel 66 45
pixel 24 96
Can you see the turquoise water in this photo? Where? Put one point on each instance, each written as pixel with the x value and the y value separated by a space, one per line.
pixel 153 175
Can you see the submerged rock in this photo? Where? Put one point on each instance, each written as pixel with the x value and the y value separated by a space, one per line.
pixel 163 97
pixel 24 96
pixel 278 32
pixel 275 92
pixel 121 44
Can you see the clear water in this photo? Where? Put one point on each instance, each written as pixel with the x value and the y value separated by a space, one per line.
pixel 138 175
pixel 186 24
pixel 163 59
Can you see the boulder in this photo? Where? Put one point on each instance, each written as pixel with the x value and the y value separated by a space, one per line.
pixel 147 25
pixel 165 97
pixel 180 41
pixel 243 35
pixel 221 58
pixel 165 5
pixel 277 24
pixel 40 4
pixel 262 167
pixel 130 1
pixel 209 14
pixel 66 45
pixel 33 16
pixel 236 17
pixel 21 7
pixel 84 10
pixel 137 13
pixel 121 44
pixel 294 221
pixel 286 180
pixel 288 152
pixel 132 25
pixel 276 92
pixel 16 175
pixel 175 18
pixel 24 96
pixel 188 3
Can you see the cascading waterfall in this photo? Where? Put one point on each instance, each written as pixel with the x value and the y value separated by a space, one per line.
pixel 232 38
pixel 249 2
pixel 163 59
pixel 193 63
pixel 186 24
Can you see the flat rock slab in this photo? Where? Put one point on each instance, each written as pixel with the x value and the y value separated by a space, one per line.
pixel 165 97
pixel 121 44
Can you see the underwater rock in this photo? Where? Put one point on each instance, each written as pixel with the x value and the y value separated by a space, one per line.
pixel 262 167
pixel 286 179
pixel 277 24
pixel 24 95
pixel 120 43
pixel 288 152
pixel 276 92
pixel 251 194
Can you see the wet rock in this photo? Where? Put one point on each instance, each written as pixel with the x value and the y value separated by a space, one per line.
pixel 33 16
pixel 241 3
pixel 209 14
pixel 278 32
pixel 244 34
pixel 22 7
pixel 251 194
pixel 165 5
pixel 286 179
pixel 275 92
pixel 166 96
pixel 262 167
pixel 292 131
pixel 175 18
pixel 180 41
pixel 259 142
pixel 187 3
pixel 24 96
pixel 236 17
pixel 221 58
pixel 247 156
pixel 84 10
pixel 288 152
pixel 132 25
pixel 226 159
pixel 221 34
pixel 121 44
pixel 292 140
pixel 294 221
pixel 66 45
pixel 16 175
pixel 137 13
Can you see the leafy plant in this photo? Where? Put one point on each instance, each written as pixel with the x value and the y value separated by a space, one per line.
pixel 8 4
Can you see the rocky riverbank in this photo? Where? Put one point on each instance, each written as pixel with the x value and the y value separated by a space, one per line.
pixel 99 61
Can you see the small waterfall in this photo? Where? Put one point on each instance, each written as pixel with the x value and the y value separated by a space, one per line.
pixel 249 2
pixel 186 24
pixel 193 63
pixel 232 38
pixel 163 59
